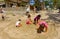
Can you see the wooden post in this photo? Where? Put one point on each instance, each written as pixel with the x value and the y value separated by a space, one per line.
pixel 7 3
pixel 42 5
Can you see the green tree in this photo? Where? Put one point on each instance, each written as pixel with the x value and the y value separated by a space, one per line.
pixel 37 3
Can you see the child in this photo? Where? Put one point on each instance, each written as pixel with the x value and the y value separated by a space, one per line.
pixel 18 23
pixel 41 26
pixel 1 10
pixel 28 10
pixel 36 19
pixel 2 13
pixel 29 21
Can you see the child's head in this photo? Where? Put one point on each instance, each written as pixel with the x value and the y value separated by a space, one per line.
pixel 29 16
pixel 19 20
pixel 42 25
pixel 39 15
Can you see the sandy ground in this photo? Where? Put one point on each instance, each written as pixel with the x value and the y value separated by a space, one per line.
pixel 8 30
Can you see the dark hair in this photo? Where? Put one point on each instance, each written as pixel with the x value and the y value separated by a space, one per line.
pixel 39 15
pixel 41 28
pixel 19 20
pixel 29 16
pixel 42 25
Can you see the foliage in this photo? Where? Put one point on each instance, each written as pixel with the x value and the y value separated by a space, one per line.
pixel 37 3
pixel 58 3
pixel 23 3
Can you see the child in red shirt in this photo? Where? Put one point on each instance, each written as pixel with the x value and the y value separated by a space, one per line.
pixel 29 21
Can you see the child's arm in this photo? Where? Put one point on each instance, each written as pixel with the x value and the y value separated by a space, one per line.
pixel 20 24
pixel 46 29
pixel 37 25
pixel 46 26
pixel 36 21
pixel 30 20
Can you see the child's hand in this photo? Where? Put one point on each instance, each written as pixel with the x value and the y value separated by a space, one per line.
pixel 20 24
pixel 36 28
pixel 45 30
